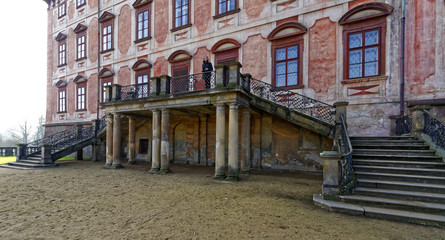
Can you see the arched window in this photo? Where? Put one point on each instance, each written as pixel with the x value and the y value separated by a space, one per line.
pixel 142 69
pixel 180 66
pixel 226 51
pixel 106 77
pixel 364 33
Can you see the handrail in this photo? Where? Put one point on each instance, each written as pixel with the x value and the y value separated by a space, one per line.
pixel 348 182
pixel 435 128
pixel 343 122
pixel 193 82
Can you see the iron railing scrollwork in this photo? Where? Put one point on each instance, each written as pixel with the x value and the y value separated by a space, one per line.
pixel 33 147
pixel 293 101
pixel 102 123
pixel 348 181
pixel 404 125
pixel 435 129
pixel 193 82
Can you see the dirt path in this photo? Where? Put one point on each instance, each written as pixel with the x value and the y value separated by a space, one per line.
pixel 80 200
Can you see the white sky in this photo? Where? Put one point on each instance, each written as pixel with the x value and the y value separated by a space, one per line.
pixel 22 63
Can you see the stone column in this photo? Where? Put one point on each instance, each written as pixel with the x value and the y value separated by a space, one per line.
pixel 131 140
pixel 156 142
pixel 109 158
pixel 220 141
pixel 340 108
pixel 234 73
pixel 79 153
pixel 165 144
pixel 220 75
pixel 117 141
pixel 233 143
pixel 46 154
pixel 245 141
pixel 331 172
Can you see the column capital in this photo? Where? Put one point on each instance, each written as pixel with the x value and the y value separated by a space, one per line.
pixel 233 105
pixel 109 115
pixel 130 117
pixel 165 110
pixel 219 105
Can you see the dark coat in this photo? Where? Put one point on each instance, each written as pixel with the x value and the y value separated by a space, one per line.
pixel 207 66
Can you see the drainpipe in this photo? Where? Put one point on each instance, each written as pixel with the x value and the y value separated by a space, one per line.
pixel 98 69
pixel 402 62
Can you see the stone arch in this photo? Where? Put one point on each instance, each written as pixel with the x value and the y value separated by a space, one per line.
pixel 106 72
pixel 287 30
pixel 225 45
pixel 366 11
pixel 80 79
pixel 141 64
pixel 179 55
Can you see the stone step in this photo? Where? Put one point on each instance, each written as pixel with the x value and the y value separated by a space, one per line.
pixel 412 146
pixel 383 138
pixel 15 167
pixel 400 177
pixel 395 157
pixel 400 170
pixel 398 152
pixel 399 204
pixel 400 185
pixel 390 163
pixel 32 165
pixel 30 161
pixel 401 194
pixel 34 158
pixel 389 142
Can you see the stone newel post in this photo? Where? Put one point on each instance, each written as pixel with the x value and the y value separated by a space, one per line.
pixel 418 119
pixel 108 93
pixel 46 154
pixel 165 84
pixel 234 73
pixel 220 75
pixel 155 86
pixel 331 172
pixel 116 92
pixel 340 108
pixel 21 151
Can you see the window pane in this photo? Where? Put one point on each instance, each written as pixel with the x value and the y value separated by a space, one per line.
pixel 371 69
pixel 355 56
pixel 222 7
pixel 281 68
pixel 185 2
pixel 281 54
pixel 292 79
pixel 371 54
pixel 355 40
pixel 178 3
pixel 292 66
pixel 371 37
pixel 292 52
pixel 184 19
pixel 355 70
pixel 281 80
pixel 231 5
pixel 178 22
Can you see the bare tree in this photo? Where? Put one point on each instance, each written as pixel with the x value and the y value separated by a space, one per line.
pixel 40 131
pixel 23 134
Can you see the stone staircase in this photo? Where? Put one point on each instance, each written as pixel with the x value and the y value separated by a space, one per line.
pixel 398 178
pixel 31 162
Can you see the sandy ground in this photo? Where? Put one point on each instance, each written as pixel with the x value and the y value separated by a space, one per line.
pixel 80 200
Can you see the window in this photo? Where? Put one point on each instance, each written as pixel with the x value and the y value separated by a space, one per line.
pixel 226 6
pixel 62 8
pixel 143 146
pixel 80 3
pixel 81 47
pixel 363 54
pixel 81 96
pixel 107 37
pixel 62 53
pixel 181 13
pixel 286 66
pixel 143 24
pixel 106 82
pixel 61 99
pixel 142 85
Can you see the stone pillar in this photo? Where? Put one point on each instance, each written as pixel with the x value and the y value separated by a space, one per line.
pixel 234 73
pixel 155 86
pixel 156 142
pixel 220 75
pixel 340 108
pixel 233 143
pixel 164 85
pixel 95 155
pixel 418 119
pixel 331 172
pixel 246 84
pixel 203 140
pixel 117 141
pixel 131 140
pixel 392 124
pixel 115 92
pixel 245 141
pixel 79 153
pixel 220 141
pixel 109 151
pixel 46 154
pixel 21 151
pixel 108 93
pixel 165 144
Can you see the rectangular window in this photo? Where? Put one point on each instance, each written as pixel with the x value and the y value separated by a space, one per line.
pixel 80 3
pixel 62 8
pixel 287 66
pixel 61 99
pixel 62 54
pixel 226 6
pixel 142 85
pixel 143 24
pixel 107 36
pixel 81 43
pixel 363 54
pixel 143 146
pixel 105 82
pixel 181 13
pixel 81 96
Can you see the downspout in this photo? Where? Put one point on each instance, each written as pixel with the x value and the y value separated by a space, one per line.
pixel 402 62
pixel 98 71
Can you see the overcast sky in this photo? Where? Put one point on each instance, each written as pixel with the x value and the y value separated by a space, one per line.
pixel 22 63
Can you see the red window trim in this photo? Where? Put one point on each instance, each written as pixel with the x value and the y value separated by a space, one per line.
pixel 61 89
pixel 220 15
pixel 288 42
pixel 227 54
pixel 183 25
pixel 362 26
pixel 139 10
pixel 81 85
pixel 59 64
pixel 104 25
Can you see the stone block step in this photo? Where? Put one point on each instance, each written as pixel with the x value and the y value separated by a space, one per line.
pixel 398 152
pixel 390 163
pixel 30 161
pixel 400 185
pixel 415 206
pixel 412 146
pixel 400 170
pixel 15 167
pixel 32 165
pixel 401 194
pixel 34 158
pixel 389 142
pixel 395 157
pixel 382 138
pixel 400 177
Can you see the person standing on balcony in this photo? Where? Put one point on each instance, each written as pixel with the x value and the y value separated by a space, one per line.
pixel 206 68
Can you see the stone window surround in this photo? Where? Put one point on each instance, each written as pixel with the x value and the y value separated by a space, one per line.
pixel 220 15
pixel 81 4
pixel 61 8
pixel 140 9
pixel 83 96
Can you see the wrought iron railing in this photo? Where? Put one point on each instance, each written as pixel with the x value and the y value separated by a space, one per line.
pixel 194 82
pixel 347 183
pixel 404 125
pixel 140 90
pixel 33 147
pixel 293 101
pixel 102 123
pixel 435 129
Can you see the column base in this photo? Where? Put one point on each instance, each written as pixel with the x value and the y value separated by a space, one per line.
pixel 117 166
pixel 132 162
pixel 107 165
pixel 219 177
pixel 154 171
pixel 165 171
pixel 246 172
pixel 232 178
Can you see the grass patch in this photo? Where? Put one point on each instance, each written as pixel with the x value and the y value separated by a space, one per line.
pixel 5 160
pixel 68 158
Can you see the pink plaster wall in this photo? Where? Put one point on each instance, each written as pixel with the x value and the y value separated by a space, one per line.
pixel 92 3
pixel 71 48
pixel 255 56
pixel 198 57
pixel 420 44
pixel 92 41
pixel 254 7
pixel 161 21
pixel 202 16
pixel 124 20
pixel 322 55
pixel 55 55
pixel 71 10
pixel 124 76
pixel 358 2
pixel 160 67
pixel 71 97
pixel 92 93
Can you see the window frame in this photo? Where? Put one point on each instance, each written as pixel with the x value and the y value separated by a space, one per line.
pixel 61 108
pixel 83 97
pixel 106 24
pixel 61 54
pixel 80 5
pixel 286 43
pixel 61 6
pixel 146 8
pixel 105 81
pixel 140 73
pixel 81 35
pixel 226 13
pixel 182 26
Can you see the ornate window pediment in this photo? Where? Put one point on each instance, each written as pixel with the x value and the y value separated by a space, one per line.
pixel 106 72
pixel 106 16
pixel 80 28
pixel 80 79
pixel 61 83
pixel 366 11
pixel 141 3
pixel 60 37
pixel 287 30
pixel 225 44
